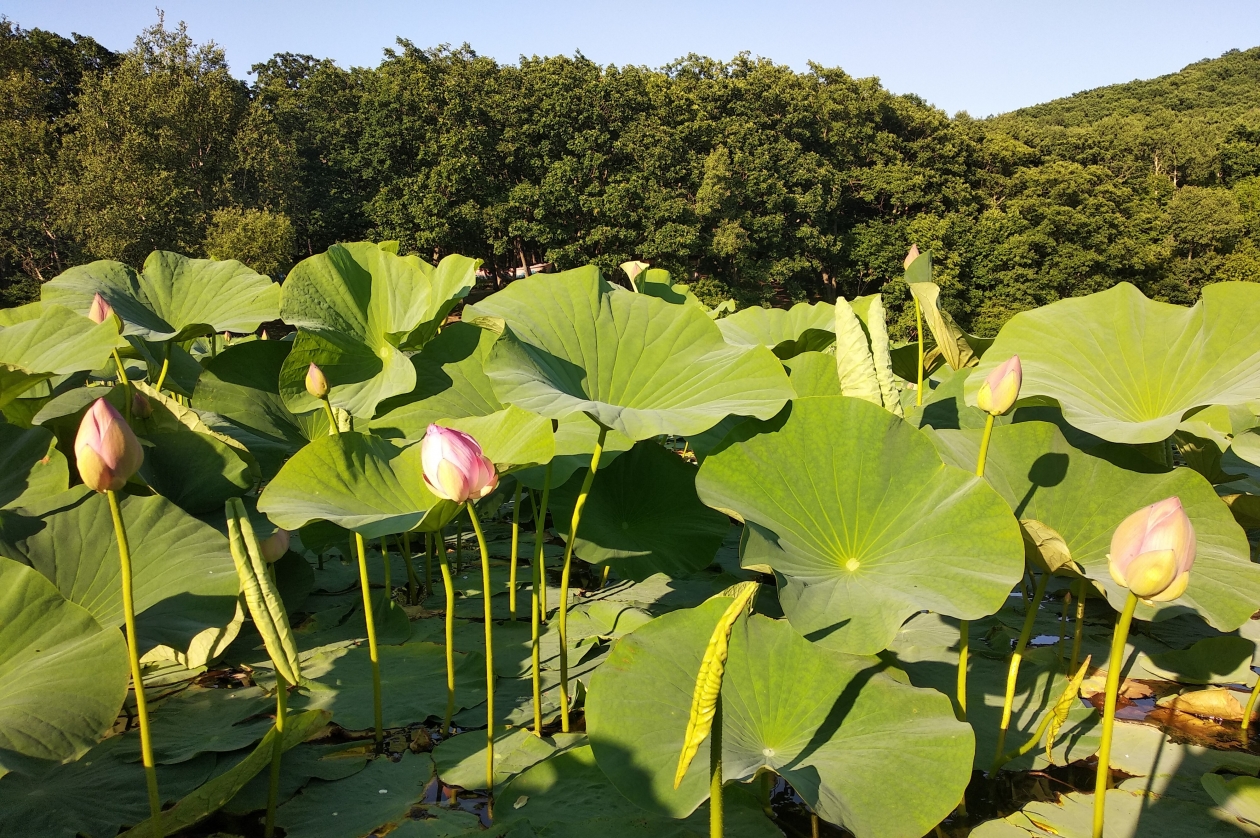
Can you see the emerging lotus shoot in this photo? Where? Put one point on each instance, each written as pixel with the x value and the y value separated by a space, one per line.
pixel 454 466
pixel 1153 550
pixel 1000 390
pixel 106 449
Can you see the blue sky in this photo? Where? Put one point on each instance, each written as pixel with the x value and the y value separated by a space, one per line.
pixel 982 57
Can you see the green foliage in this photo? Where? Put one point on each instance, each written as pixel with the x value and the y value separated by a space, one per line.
pixel 262 240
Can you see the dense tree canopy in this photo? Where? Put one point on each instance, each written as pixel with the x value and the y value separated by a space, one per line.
pixel 744 178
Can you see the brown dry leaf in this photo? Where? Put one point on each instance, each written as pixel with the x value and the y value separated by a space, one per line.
pixel 1096 684
pixel 1213 703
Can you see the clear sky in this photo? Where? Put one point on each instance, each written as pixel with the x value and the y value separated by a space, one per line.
pixel 982 57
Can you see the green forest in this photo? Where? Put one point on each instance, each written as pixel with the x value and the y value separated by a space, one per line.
pixel 744 178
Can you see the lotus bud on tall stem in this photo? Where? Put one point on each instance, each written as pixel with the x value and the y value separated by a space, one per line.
pixel 373 653
pixel 1012 672
pixel 456 469
pixel 99 312
pixel 537 604
pixel 317 386
pixel 918 319
pixel 1152 553
pixel 564 577
pixel 516 540
pixel 108 454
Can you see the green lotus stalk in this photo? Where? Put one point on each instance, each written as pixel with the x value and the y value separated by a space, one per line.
pixel 389 589
pixel 1012 673
pixel 564 577
pixel 1078 629
pixel 516 540
pixel 444 563
pixel 537 592
pixel 277 753
pixel 166 365
pixel 486 594
pixel 1114 665
pixel 428 564
pixel 373 653
pixel 1054 718
pixel 715 772
pixel 964 651
pixel 918 318
pixel 1251 706
pixel 413 583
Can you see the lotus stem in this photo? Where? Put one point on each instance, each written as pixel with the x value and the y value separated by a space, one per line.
pixel 166 365
pixel 1032 741
pixel 413 584
pixel 277 751
pixel 564 577
pixel 428 564
pixel 1063 618
pixel 1114 666
pixel 715 770
pixel 538 604
pixel 486 593
pixel 1251 704
pixel 984 445
pixel 389 589
pixel 445 564
pixel 516 540
pixel 918 319
pixel 370 618
pixel 964 648
pixel 333 430
pixel 1077 630
pixel 133 654
pixel 126 383
pixel 1012 673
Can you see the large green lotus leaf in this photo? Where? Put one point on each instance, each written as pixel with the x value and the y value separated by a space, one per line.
pixel 865 522
pixel 182 369
pixel 1129 815
pixel 357 307
pixel 39 341
pixel 62 678
pixel 380 794
pixel 567 796
pixel 184 578
pixel 316 761
pixel 634 362
pixel 93 796
pixel 789 706
pixel 173 297
pixel 242 385
pixel 461 760
pixel 1084 498
pixel 787 333
pixel 202 719
pixel 1126 368
pixel 814 374
pixel 31 467
pixel 362 483
pixel 643 516
pixel 575 438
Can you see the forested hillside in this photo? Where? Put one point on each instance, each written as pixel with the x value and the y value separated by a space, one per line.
pixel 744 178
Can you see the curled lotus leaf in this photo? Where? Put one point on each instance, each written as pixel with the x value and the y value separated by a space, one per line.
pixel 804 327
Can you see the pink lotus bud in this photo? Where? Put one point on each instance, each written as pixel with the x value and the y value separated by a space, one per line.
pixel 454 467
pixel 316 384
pixel 100 311
pixel 107 451
pixel 140 406
pixel 275 545
pixel 1152 551
pixel 911 256
pixel 1000 390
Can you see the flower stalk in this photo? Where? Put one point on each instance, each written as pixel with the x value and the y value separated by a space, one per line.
pixel 516 540
pixel 1012 673
pixel 537 602
pixel 373 652
pixel 487 595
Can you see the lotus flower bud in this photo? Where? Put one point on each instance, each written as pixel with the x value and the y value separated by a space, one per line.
pixel 454 467
pixel 316 384
pixel 140 406
pixel 275 545
pixel 107 451
pixel 1153 550
pixel 100 310
pixel 1000 390
pixel 911 256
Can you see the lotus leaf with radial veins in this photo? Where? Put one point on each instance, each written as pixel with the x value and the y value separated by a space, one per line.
pixel 357 307
pixel 39 341
pixel 185 581
pixel 1084 498
pixel 837 727
pixel 1126 368
pixel 643 516
pixel 788 333
pixel 633 362
pixel 62 676
pixel 173 297
pixel 864 521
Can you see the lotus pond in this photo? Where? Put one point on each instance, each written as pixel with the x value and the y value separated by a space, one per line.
pixel 377 552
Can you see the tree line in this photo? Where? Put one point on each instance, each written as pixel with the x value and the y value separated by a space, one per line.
pixel 744 178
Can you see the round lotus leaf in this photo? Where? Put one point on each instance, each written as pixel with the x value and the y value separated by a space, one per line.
pixel 382 793
pixel 62 677
pixel 634 362
pixel 184 578
pixel 38 341
pixel 866 524
pixel 1126 368
pixel 786 332
pixel 173 297
pixel 643 516
pixel 789 706
pixel 31 467
pixel 357 307
pixel 1084 498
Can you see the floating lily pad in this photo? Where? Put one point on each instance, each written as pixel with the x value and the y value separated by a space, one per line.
pixel 300 765
pixel 1129 815
pixel 200 720
pixel 635 363
pixel 1126 368
pixel 461 760
pixel 788 706
pixel 380 794
pixel 865 522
